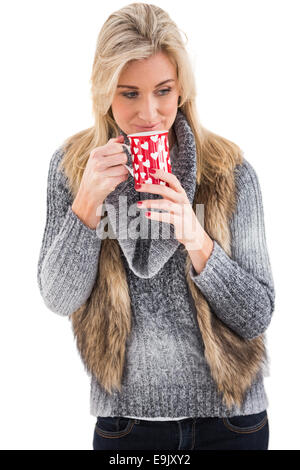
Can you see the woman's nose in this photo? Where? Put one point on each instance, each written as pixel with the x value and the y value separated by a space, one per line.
pixel 148 111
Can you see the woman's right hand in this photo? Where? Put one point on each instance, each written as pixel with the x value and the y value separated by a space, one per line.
pixel 103 172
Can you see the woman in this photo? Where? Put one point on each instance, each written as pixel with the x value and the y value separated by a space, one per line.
pixel 170 329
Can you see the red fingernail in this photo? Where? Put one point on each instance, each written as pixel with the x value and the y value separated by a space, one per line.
pixel 147 214
pixel 152 170
pixel 139 203
pixel 138 185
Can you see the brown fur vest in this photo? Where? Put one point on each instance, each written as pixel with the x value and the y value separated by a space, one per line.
pixel 102 324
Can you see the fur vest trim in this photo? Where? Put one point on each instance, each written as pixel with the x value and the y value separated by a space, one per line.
pixel 102 325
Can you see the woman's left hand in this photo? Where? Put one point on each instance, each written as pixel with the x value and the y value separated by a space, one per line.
pixel 180 213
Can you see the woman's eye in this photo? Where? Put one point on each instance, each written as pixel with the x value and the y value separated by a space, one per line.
pixel 129 95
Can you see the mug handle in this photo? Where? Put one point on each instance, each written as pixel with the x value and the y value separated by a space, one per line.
pixel 128 167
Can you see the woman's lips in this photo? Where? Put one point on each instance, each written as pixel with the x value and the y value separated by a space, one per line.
pixel 145 129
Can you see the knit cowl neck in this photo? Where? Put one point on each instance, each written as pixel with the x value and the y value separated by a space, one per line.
pixel 146 255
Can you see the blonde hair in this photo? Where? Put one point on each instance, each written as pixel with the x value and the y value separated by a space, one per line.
pixel 138 31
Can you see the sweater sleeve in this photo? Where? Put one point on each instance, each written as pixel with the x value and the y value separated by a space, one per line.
pixel 240 288
pixel 69 254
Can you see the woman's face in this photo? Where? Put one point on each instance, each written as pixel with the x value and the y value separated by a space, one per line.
pixel 141 101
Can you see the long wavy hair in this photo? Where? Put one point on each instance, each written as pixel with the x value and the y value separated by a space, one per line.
pixel 138 31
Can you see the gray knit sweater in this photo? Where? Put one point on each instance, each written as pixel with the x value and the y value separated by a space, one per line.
pixel 166 375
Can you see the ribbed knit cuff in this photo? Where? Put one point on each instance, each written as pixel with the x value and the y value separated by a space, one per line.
pixel 205 278
pixel 234 295
pixel 88 238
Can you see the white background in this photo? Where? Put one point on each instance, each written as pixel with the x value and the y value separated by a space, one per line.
pixel 246 62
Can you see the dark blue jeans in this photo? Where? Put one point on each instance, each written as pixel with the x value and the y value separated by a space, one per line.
pixel 250 432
